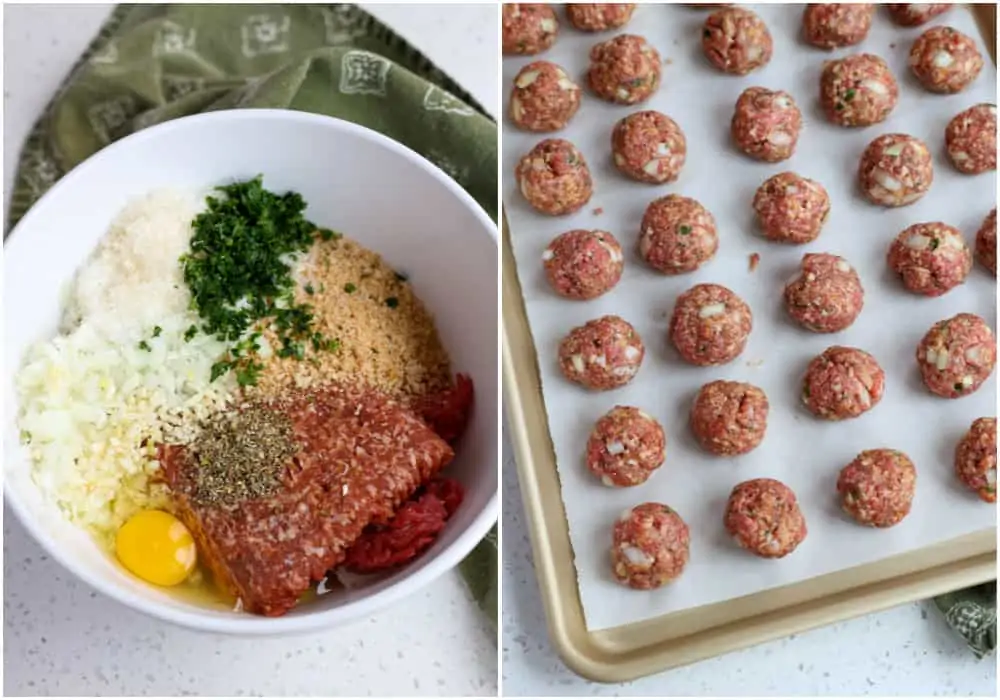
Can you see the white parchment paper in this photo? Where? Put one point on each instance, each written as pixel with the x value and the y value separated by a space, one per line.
pixel 804 452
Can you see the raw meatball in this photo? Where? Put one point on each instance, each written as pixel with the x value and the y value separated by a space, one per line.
pixel 650 546
pixel 957 355
pixel 832 25
pixel 544 98
pixel 624 70
pixel 736 41
pixel 842 383
pixel 596 17
pixel 877 488
pixel 583 264
pixel 791 208
pixel 857 90
pixel 625 447
pixel 677 235
pixel 528 28
pixel 827 296
pixel 986 243
pixel 554 177
pixel 976 458
pixel 602 354
pixel 729 418
pixel 710 325
pixel 931 258
pixel 945 60
pixel 895 170
pixel 649 147
pixel 766 124
pixel 915 15
pixel 971 139
pixel 764 517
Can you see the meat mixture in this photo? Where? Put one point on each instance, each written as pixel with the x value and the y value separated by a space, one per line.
pixel 976 458
pixel 895 170
pixel 729 418
pixel 791 208
pixel 842 383
pixel 582 264
pixel 876 489
pixel 624 70
pixel 677 235
pixel 957 355
pixel 598 17
pixel 650 546
pixel 986 242
pixel 766 124
pixel 834 25
pixel 554 178
pixel 930 258
pixel 857 90
pixel 827 296
pixel 602 354
pixel 267 541
pixel 736 41
pixel 710 325
pixel 915 15
pixel 945 60
pixel 649 147
pixel 763 516
pixel 970 139
pixel 544 98
pixel 625 447
pixel 528 28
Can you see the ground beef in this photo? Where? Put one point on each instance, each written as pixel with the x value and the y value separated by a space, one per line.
pixel 583 264
pixel 827 296
pixel 605 353
pixel 766 124
pixel 528 28
pixel 857 90
pixel 976 458
pixel 554 178
pixel 625 447
pixel 876 489
pixel 915 15
pixel 833 25
pixel 945 60
pixel 971 139
pixel 930 258
pixel 597 17
pixel 649 147
pixel 624 70
pixel 842 383
pixel 957 355
pixel 544 98
pixel 791 208
pixel 677 235
pixel 986 242
pixel 763 516
pixel 650 546
pixel 710 325
pixel 736 41
pixel 447 411
pixel 895 170
pixel 729 418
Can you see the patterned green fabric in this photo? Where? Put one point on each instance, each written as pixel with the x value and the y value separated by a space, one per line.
pixel 973 614
pixel 153 63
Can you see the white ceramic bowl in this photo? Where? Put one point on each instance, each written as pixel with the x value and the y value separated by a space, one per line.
pixel 355 181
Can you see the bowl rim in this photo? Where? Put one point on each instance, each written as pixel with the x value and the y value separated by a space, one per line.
pixel 444 561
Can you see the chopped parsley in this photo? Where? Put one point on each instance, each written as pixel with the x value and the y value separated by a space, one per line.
pixel 328 235
pixel 143 345
pixel 190 333
pixel 392 302
pixel 849 95
pixel 156 331
pixel 684 230
pixel 959 386
pixel 310 289
pixel 350 288
pixel 934 244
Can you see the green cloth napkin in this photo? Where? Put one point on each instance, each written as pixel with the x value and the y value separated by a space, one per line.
pixel 152 63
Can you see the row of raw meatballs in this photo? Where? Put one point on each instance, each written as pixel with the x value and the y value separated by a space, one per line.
pixel 651 542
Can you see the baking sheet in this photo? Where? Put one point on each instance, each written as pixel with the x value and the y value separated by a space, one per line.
pixel 804 452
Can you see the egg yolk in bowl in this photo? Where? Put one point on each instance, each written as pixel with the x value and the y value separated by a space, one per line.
pixel 156 547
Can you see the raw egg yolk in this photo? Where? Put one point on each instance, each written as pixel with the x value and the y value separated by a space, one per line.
pixel 156 547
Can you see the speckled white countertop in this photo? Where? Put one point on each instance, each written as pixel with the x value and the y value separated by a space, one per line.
pixel 60 638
